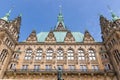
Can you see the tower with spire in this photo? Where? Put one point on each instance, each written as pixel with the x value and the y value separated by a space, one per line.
pixel 9 35
pixel 111 36
pixel 60 26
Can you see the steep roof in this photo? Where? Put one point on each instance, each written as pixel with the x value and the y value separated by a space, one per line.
pixel 60 36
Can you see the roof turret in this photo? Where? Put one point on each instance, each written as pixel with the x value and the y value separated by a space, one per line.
pixel 60 21
pixel 6 17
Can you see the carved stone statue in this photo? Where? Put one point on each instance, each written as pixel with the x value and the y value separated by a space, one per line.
pixel 59 73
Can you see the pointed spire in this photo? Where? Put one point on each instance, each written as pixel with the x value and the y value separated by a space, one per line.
pixel 114 16
pixel 60 16
pixel 20 15
pixel 6 17
pixel 60 21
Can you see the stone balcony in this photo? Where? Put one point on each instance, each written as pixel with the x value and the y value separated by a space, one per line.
pixel 65 72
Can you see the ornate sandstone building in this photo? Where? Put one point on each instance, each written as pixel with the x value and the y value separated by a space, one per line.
pixel 79 55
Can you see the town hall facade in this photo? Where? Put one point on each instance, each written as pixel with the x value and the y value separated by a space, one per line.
pixel 78 55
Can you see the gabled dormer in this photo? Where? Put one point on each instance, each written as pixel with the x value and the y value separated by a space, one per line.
pixel 69 38
pixel 88 38
pixel 50 38
pixel 32 37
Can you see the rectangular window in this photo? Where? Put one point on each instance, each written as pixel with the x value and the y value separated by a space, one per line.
pixel 95 67
pixel 72 67
pixel 83 67
pixel 24 67
pixel 48 67
pixel 36 67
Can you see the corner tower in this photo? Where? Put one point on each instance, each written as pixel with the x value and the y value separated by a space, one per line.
pixel 9 34
pixel 111 39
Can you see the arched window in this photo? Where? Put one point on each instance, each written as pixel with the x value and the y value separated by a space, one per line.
pixel 70 54
pixel 104 56
pixel 49 54
pixel 59 54
pixel 13 66
pixel 16 56
pixel 117 56
pixel 28 54
pixel 3 55
pixel 38 54
pixel 81 54
pixel 91 54
pixel 107 67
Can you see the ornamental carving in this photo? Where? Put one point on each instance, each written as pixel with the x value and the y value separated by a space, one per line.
pixel 50 37
pixel 32 37
pixel 69 37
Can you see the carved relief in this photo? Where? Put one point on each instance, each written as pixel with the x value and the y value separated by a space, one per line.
pixel 50 37
pixel 87 37
pixel 69 37
pixel 32 37
pixel 60 27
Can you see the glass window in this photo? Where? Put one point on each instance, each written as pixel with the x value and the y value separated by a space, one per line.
pixel 38 55
pixel 3 55
pixel 107 67
pixel 13 66
pixel 70 54
pixel 49 54
pixel 83 67
pixel 48 67
pixel 71 67
pixel 36 67
pixel 60 54
pixel 91 55
pixel 95 67
pixel 24 67
pixel 81 55
pixel 28 54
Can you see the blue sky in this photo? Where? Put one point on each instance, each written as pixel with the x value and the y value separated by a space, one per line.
pixel 41 15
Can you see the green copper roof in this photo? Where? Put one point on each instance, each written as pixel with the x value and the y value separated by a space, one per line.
pixel 114 17
pixel 60 36
pixel 6 17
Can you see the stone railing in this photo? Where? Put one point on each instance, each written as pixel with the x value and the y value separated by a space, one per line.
pixel 51 71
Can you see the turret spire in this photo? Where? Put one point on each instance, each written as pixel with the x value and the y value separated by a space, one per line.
pixel 114 16
pixel 6 17
pixel 60 16
pixel 60 21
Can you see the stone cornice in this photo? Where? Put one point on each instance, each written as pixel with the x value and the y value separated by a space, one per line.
pixel 42 43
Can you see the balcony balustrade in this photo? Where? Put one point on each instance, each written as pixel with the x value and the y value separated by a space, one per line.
pixel 51 71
